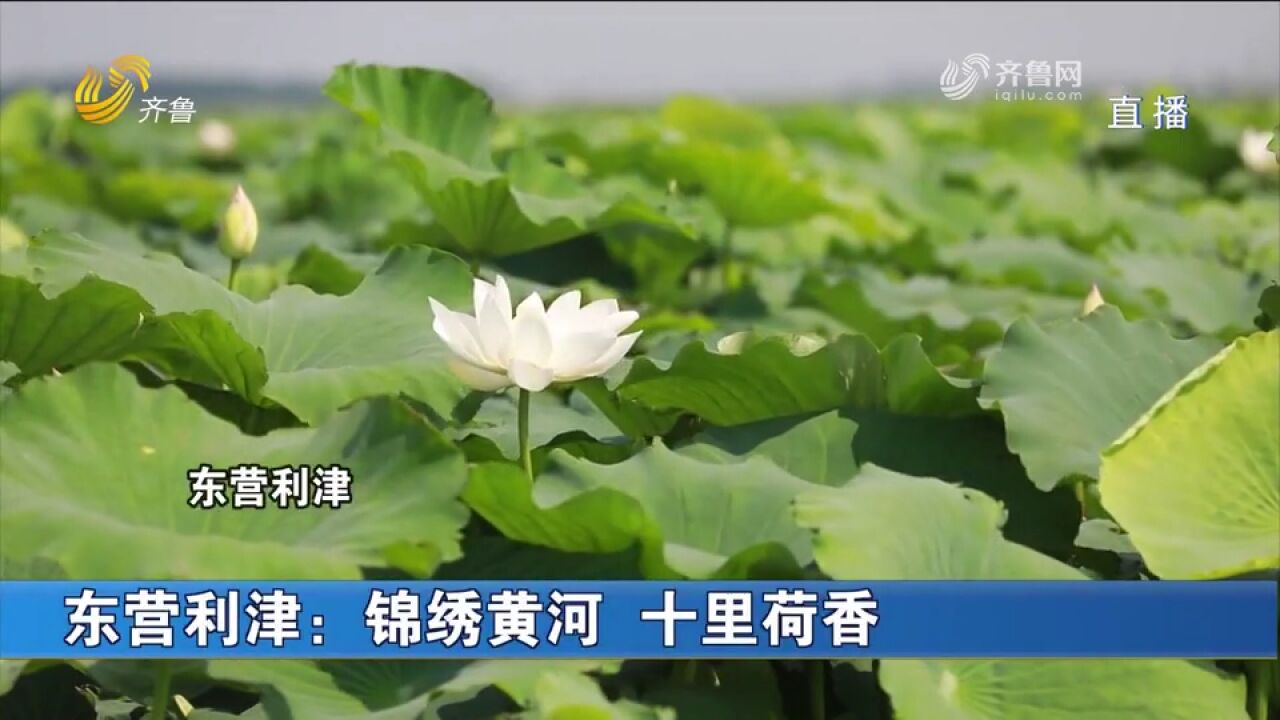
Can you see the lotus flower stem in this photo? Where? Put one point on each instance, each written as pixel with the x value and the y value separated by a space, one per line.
pixel 526 456
pixel 231 276
pixel 817 690
pixel 160 696
pixel 1082 497
pixel 726 258
pixel 1259 675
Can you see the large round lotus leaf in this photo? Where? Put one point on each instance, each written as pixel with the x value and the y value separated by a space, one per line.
pixel 339 689
pixel 1033 263
pixel 9 672
pixel 1204 293
pixel 94 478
pixel 412 690
pixel 750 187
pixel 1068 390
pixel 706 118
pixel 771 380
pixel 1120 689
pixel 691 517
pixel 1196 481
pixel 941 311
pixel 93 320
pixel 311 353
pixel 437 125
pixel 885 525
pixel 496 421
pixel 817 449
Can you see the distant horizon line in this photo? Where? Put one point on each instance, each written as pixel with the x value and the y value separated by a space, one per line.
pixel 295 91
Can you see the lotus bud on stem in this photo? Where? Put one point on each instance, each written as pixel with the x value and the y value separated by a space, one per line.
pixel 239 232
pixel 1092 301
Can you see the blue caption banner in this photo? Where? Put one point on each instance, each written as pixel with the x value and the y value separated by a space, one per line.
pixel 310 619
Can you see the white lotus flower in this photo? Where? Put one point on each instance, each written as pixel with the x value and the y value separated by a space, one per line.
pixel 536 346
pixel 1254 152
pixel 216 137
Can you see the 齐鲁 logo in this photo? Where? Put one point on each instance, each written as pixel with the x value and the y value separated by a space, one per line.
pixel 88 95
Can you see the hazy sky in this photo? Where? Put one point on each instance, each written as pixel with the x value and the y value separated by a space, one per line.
pixel 617 51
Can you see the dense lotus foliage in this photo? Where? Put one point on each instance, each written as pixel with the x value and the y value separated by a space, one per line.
pixel 863 341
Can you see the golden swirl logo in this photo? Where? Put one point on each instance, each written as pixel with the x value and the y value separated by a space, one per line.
pixel 88 92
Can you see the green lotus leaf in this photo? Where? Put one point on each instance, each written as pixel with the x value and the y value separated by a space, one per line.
pixel 73 484
pixel 806 243
pixel 320 352
pixel 95 319
pixel 885 525
pixel 919 439
pixel 1201 149
pixel 769 380
pixel 659 261
pixel 1101 534
pixel 692 518
pixel 941 312
pixel 551 690
pixel 706 118
pixel 1060 690
pixel 911 189
pixel 342 689
pixel 494 556
pixel 1026 128
pixel 45 689
pixel 817 449
pixel 1269 308
pixel 889 526
pixel 1209 296
pixel 37 213
pixel 437 126
pixel 331 272
pixel 750 187
pixel 33 173
pixel 970 451
pixel 1196 480
pixel 1052 198
pixel 26 120
pixel 1068 390
pixel 1042 264
pixel 195 201
pixel 12 237
pixel 737 690
pixel 496 421
pixel 9 672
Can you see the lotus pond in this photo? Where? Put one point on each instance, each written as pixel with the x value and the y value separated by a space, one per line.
pixel 878 340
